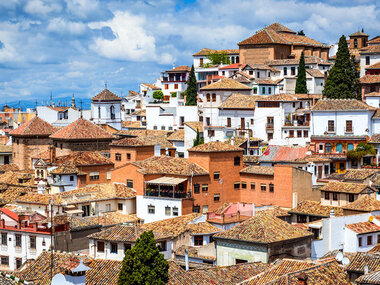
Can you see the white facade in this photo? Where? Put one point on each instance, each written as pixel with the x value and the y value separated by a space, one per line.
pixel 368 58
pixel 106 112
pixel 60 118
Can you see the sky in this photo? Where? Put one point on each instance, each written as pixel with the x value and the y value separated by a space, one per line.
pixel 65 47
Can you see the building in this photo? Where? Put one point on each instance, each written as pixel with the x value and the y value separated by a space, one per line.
pixel 370 84
pixel 106 109
pixel 369 57
pixel 261 238
pixel 279 42
pixel 174 80
pixel 309 211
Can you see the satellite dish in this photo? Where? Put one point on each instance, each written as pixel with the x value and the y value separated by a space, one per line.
pixel 345 261
pixel 58 279
pixel 339 257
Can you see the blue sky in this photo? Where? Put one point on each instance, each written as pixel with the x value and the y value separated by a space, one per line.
pixel 74 46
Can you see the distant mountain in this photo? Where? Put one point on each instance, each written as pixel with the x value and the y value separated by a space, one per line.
pixel 83 103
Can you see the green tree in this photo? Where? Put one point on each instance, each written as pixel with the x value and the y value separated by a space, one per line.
pixel 144 264
pixel 191 90
pixel 301 33
pixel 361 150
pixel 343 80
pixel 301 78
pixel 158 95
pixel 217 58
pixel 198 140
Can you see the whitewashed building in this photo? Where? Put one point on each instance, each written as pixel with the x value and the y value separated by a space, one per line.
pixel 106 109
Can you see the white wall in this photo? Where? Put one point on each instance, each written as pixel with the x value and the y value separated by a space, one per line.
pixel 373 58
pixel 105 113
pixel 142 203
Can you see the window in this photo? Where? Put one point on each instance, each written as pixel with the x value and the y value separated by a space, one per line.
pixel 369 240
pixel 118 156
pixel 32 242
pixel 154 127
pixel 306 134
pixel 196 188
pixel 201 62
pixel 285 71
pixel 4 237
pixel 360 241
pixel 161 246
pixel 244 185
pixel 299 134
pixel 253 186
pixel 175 211
pixel 339 148
pixel 216 175
pixel 293 70
pixel 94 176
pixel 71 178
pixel 330 126
pixel 108 207
pixel 204 187
pixel 18 263
pixel 99 112
pixel 252 121
pixel 5 260
pixel 176 86
pixel 355 43
pixel 163 128
pixel 213 97
pixel 350 146
pixel 86 210
pixel 321 146
pixel 18 240
pixel 166 86
pixel 291 134
pixel 269 90
pixel 100 246
pixel 326 169
pixel 113 247
pixel 127 246
pixel 237 185
pixel 223 72
pixel 216 197
pixel 348 126
pixel 211 133
pixel 258 74
pixel 378 238
pixel 327 196
pixel 228 122
pixel 198 240
pixel 237 160
pixel 120 206
pixel 197 209
pixel 301 219
pixel 208 97
pixel 239 261
pixel 263 187
pixel 271 187
pixel 335 196
pixel 204 209
pixel 130 183
pixel 351 198
pixel 367 60
pixel 151 209
pixel 254 90
pixel 208 121
pixel 327 148
pixel 112 111
pixel 263 90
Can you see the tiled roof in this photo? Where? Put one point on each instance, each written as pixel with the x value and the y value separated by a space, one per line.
pixel 341 105
pixel 203 228
pixel 12 193
pixel 293 61
pixel 358 33
pixel 34 127
pixel 344 187
pixel 226 84
pixel 84 158
pixel 66 168
pixel 215 147
pixel 315 72
pixel 265 82
pixel 238 140
pixel 365 203
pixel 314 208
pixel 372 94
pixel 139 133
pixel 364 227
pixel 139 113
pixel 207 51
pixel 280 28
pixel 374 40
pixel 274 211
pixel 132 124
pixel 232 66
pixel 180 68
pixel 375 49
pixel 114 218
pixel 370 79
pixel 178 135
pixel 377 114
pixel 248 159
pixel 151 86
pixel 263 229
pixel 228 275
pixel 307 96
pixel 81 129
pixel 76 223
pixel 8 167
pixel 239 101
pixel 359 174
pixel 283 153
pixel 132 93
pixel 277 97
pixel 195 126
pixel 193 252
pixel 59 108
pixel 370 278
pixel 39 270
pixel 106 95
pixel 258 170
pixel 16 178
pixel 169 166
pixel 374 66
pixel 375 249
pixel 133 142
pixel 5 148
pixel 362 259
pixel 313 158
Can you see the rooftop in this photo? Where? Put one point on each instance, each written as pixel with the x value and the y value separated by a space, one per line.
pixel 132 124
pixel 359 33
pixel 226 84
pixel 370 79
pixel 314 208
pixel 207 51
pixel 345 187
pixel 114 218
pixel 283 153
pixel 151 86
pixel 215 147
pixel 34 127
pixel 180 68
pixel 341 105
pixel 239 101
pixel 193 252
pixel 294 61
pixel 362 259
pixel 178 135
pixel 106 95
pixel 133 142
pixel 278 97
pixel 374 66
pixel 365 203
pixel 359 174
pixel 364 227
pixel 84 158
pixel 258 170
pixel 372 49
pixel 195 126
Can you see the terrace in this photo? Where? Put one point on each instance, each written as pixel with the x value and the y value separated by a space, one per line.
pixel 171 187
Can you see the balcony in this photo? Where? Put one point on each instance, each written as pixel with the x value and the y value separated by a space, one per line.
pixel 269 127
pixel 168 187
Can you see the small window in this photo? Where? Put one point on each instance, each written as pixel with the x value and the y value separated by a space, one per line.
pixel 293 70
pixel 253 186
pixel 113 247
pixel 176 86
pixel 369 240
pixel 211 133
pixel 120 206
pixel 348 126
pixel 291 134
pixel 271 187
pixel 71 178
pixel 196 188
pixel 237 160
pixel 127 246
pixel 94 176
pixel 163 128
pixel 175 211
pixel 213 97
pixel 330 126
pixel 198 240
pixel 100 246
pixel 130 183
pixel 5 260
pixel 128 156
pixel 285 71
pixel 4 238
pixel 204 187
pixel 237 185
pixel 244 185
pixel 239 261
pixel 299 134
pixel 151 209
pixel 208 97
pixel 216 175
pixel 197 209
pixel 360 241
pixel 108 207
pixel 335 196
pixel 204 209
pixel 18 263
pixel 263 187
pixel 327 196
pixel 306 134
pixel 108 175
pixel 18 240
pixel 32 240
pixel 216 197
pixel 161 246
pixel 367 60
pixel 351 198
pixel 167 211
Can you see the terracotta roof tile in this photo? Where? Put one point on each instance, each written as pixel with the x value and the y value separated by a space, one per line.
pixel 258 170
pixel 34 127
pixel 180 68
pixel 364 227
pixel 81 129
pixel 365 203
pixel 341 105
pixel 84 158
pixel 193 252
pixel 203 228
pixel 133 142
pixel 294 61
pixel 277 97
pixel 370 79
pixel 374 66
pixel 345 187
pixel 66 168
pixel 276 211
pixel 358 33
pixel 375 138
pixel 207 51
pixel 226 84
pixel 215 147
pixel 151 86
pixel 232 66
pixel 195 126
pixel 239 101
pixel 114 218
pixel 362 259
pixel 280 28
pixel 374 40
pixel 178 135
pixel 372 94
pixel 315 72
pixel 132 124
pixel 370 278
pixel 283 153
pixel 139 133
pixel 359 174
pixel 375 249
pixel 106 95
pixel 132 93
pixel 139 113
pixel 375 49
pixel 263 229
pixel 249 159
pixel 314 208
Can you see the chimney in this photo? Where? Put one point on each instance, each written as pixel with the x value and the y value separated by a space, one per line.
pixel 302 279
pixel 52 154
pixel 238 215
pixel 187 259
pixel 332 214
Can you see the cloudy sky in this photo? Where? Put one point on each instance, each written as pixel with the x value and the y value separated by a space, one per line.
pixel 74 46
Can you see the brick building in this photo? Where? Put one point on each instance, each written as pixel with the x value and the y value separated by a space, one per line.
pixel 29 140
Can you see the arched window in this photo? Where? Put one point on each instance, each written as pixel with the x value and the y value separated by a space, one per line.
pixel 232 59
pixel 350 146
pixel 237 59
pixel 328 148
pixel 112 110
pixel 339 148
pixel 355 43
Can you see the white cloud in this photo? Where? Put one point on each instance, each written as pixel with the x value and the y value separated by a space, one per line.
pixel 83 8
pixel 39 7
pixel 74 74
pixel 61 26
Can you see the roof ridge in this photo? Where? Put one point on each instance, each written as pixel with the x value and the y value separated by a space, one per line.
pixel 269 35
pixel 74 127
pixel 30 122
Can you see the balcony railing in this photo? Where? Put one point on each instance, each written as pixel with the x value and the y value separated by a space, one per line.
pixel 166 193
pixel 269 126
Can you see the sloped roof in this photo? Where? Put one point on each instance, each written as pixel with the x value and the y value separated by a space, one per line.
pixel 133 142
pixel 315 72
pixel 207 51
pixel 372 49
pixel 358 33
pixel 295 61
pixel 192 251
pixel 239 101
pixel 370 79
pixel 278 97
pixel 215 147
pixel 375 138
pixel 280 28
pixel 263 229
pixel 364 227
pixel 195 126
pixel 226 84
pixel 259 170
pixel 362 259
pixel 106 95
pixel 151 86
pixel 34 127
pixel 66 168
pixel 283 153
pixel 345 187
pixel 180 68
pixel 370 278
pixel 374 66
pixel 84 158
pixel 341 105
pixel 178 135
pixel 365 203
pixel 359 174
pixel 314 208
pixel 81 129
pixel 132 124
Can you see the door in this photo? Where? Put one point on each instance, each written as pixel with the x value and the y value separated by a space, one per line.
pixel 6 159
pixel 242 123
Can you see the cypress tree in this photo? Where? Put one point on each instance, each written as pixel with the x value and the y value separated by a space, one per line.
pixel 144 264
pixel 343 81
pixel 301 78
pixel 191 90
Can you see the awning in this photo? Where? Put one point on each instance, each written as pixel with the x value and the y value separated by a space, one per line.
pixel 167 181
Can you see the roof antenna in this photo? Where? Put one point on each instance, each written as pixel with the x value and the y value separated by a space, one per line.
pixel 105 84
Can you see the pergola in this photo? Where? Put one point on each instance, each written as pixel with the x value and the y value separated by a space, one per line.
pixel 166 181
